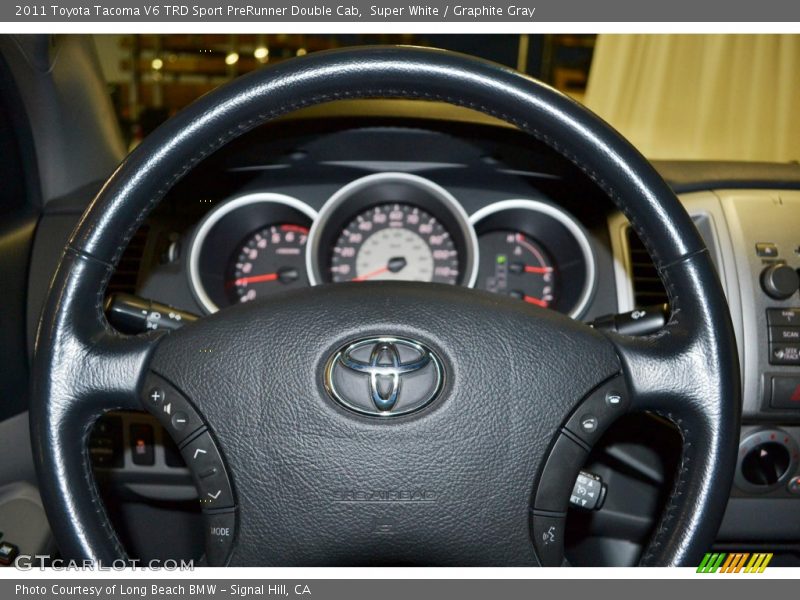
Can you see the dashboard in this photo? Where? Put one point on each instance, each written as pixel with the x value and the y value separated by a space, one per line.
pixel 390 226
pixel 342 200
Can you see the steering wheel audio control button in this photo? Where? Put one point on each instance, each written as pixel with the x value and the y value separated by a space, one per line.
pixel 171 408
pixel 180 420
pixel 220 529
pixel 155 397
pixel 559 475
pixel 589 492
pixel 599 410
pixel 548 538
pixel 208 471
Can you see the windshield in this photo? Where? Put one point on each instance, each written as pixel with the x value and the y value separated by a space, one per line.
pixel 716 97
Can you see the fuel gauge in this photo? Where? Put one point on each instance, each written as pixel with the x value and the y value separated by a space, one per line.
pixel 513 264
pixel 536 252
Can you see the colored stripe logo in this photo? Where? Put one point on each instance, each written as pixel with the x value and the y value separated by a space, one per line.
pixel 736 562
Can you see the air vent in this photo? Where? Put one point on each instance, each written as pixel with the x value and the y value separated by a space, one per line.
pixel 647 286
pixel 126 276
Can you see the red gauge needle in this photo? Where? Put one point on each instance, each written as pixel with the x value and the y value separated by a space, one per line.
pixel 256 279
pixel 541 270
pixel 371 274
pixel 519 267
pixel 536 301
pixel 284 275
pixel 395 265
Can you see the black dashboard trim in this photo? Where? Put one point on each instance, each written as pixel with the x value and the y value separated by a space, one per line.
pixel 685 176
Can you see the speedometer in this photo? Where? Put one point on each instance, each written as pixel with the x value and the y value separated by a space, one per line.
pixel 395 242
pixel 392 227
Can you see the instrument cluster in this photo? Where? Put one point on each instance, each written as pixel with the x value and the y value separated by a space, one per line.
pixel 390 227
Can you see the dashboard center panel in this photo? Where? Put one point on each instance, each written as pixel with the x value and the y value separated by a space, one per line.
pixel 391 226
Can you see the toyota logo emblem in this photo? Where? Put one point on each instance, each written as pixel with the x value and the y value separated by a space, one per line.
pixel 384 376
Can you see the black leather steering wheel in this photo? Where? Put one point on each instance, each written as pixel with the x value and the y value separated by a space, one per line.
pixel 479 476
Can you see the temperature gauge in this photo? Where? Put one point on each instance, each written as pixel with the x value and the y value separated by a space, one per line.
pixel 513 264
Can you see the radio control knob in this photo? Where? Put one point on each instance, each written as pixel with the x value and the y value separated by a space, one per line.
pixel 780 281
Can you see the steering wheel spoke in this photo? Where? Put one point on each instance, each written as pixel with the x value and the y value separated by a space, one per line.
pixel 556 487
pixel 683 373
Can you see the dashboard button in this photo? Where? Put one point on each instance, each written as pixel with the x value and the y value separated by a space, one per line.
pixel 142 445
pixel 548 537
pixel 785 392
pixel 220 529
pixel 559 475
pixel 794 486
pixel 784 354
pixel 766 250
pixel 787 335
pixel 783 317
pixel 170 407
pixel 204 461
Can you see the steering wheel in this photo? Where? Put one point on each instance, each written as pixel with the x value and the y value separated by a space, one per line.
pixel 489 405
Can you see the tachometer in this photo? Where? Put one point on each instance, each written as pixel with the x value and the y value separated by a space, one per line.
pixel 270 260
pixel 395 242
pixel 248 247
